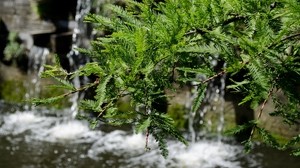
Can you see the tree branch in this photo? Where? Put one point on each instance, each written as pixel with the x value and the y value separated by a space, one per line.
pixel 213 77
pixel 284 39
pixel 261 110
pixel 233 19
pixel 224 23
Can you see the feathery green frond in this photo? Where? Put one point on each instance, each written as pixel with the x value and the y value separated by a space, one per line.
pixel 200 96
pixel 267 137
pixel 50 100
pixel 240 128
pixel 151 47
pixel 89 69
pixel 101 91
pixel 143 125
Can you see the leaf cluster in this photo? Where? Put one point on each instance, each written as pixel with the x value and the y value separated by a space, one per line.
pixel 154 45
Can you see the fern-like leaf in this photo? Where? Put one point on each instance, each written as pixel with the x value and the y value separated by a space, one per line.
pixel 200 96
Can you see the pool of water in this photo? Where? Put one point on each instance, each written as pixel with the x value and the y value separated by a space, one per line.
pixel 46 138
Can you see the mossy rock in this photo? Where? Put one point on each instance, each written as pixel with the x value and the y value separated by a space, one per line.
pixel 178 113
pixel 12 91
pixel 15 91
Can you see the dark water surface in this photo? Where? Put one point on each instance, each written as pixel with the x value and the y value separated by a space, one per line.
pixel 46 139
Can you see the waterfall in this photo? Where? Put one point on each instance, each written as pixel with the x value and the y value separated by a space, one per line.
pixel 200 122
pixel 79 39
pixel 36 59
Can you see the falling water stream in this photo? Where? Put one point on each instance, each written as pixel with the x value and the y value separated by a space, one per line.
pixel 76 59
pixel 46 138
pixel 37 58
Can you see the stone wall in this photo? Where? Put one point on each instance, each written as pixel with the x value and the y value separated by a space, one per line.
pixel 22 16
pixel 275 124
pixel 41 23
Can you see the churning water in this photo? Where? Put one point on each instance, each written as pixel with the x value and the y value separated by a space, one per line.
pixel 43 138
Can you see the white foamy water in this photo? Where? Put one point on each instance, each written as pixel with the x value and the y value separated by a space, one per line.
pixel 69 130
pixel 46 128
pixel 202 154
pixel 20 122
pixel 206 154
pixel 129 149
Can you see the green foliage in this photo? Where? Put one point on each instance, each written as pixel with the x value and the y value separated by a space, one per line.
pixel 154 45
pixel 268 138
pixel 201 94
pixel 161 127
pixel 240 128
pixel 13 49
pixel 178 113
pixel 6 93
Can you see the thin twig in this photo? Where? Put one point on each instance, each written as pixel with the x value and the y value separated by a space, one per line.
pixel 218 74
pixel 121 94
pixel 233 19
pixel 198 31
pixel 147 139
pixel 213 77
pixel 261 110
pixel 284 39
pixel 224 23
pixel 290 37
pixel 147 112
pixel 81 88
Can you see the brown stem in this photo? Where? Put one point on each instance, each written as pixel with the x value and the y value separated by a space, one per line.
pixel 224 23
pixel 197 31
pixel 284 39
pixel 82 88
pixel 261 110
pixel 216 75
pixel 147 140
pixel 121 94
pixel 233 19
pixel 212 77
